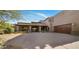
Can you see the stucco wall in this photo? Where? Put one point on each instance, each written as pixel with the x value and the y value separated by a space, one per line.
pixel 49 22
pixel 68 16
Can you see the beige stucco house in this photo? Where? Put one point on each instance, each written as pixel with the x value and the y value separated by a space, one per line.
pixel 64 22
pixel 67 22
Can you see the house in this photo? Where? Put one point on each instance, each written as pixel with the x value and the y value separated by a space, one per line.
pixel 64 22
pixel 67 22
pixel 41 26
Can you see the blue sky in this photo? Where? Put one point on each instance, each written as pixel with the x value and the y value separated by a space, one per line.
pixel 36 15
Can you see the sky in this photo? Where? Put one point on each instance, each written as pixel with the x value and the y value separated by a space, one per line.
pixel 36 15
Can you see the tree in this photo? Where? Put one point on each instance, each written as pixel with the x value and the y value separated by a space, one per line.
pixel 6 15
pixel 9 14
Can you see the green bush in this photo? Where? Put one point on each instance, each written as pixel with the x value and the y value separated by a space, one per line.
pixel 9 30
pixel 6 28
pixel 1 31
pixel 12 30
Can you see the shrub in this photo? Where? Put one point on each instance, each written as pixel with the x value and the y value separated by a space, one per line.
pixel 1 31
pixel 12 30
pixel 9 30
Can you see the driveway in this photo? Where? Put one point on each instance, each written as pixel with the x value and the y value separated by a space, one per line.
pixel 40 40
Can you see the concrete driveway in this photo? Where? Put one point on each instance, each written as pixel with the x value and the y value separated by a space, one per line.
pixel 40 40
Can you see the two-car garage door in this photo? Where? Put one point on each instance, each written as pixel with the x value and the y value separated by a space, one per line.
pixel 66 28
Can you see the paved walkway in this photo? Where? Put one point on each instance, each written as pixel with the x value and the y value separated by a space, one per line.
pixel 41 40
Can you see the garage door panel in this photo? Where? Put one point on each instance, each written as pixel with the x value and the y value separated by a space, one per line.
pixel 66 28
